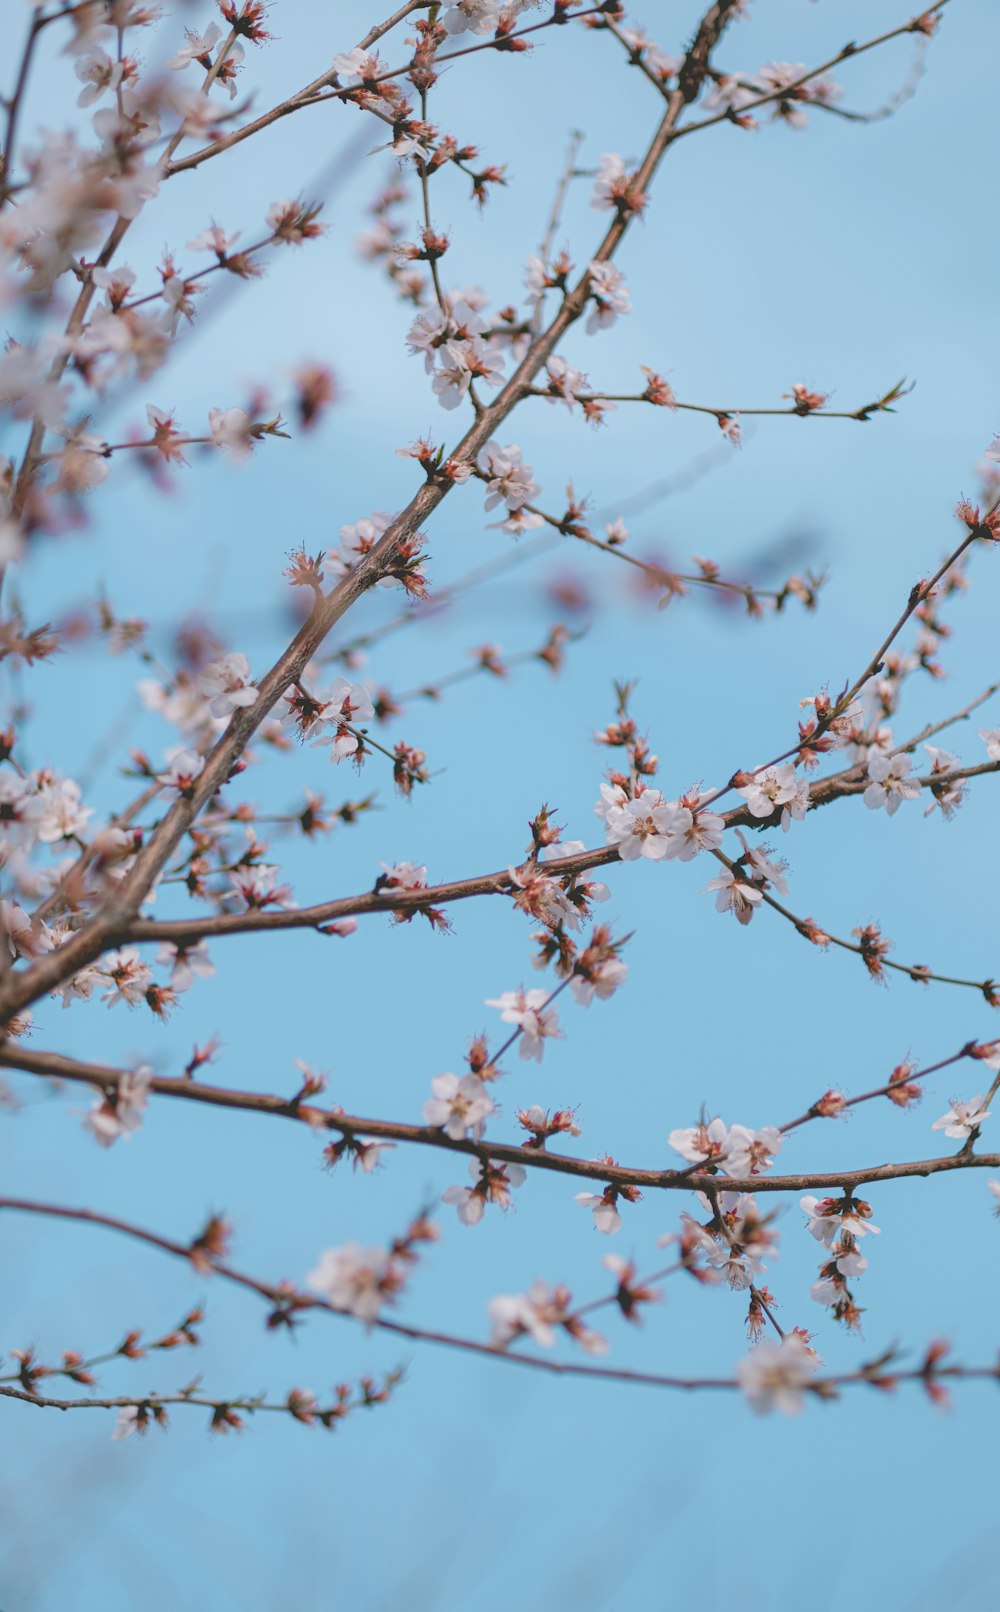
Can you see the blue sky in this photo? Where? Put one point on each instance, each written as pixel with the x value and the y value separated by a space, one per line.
pixel 844 256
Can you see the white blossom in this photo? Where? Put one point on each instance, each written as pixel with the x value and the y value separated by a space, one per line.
pixel 944 797
pixel 602 980
pixel 606 1216
pixel 607 288
pixel 735 895
pixel 214 239
pixel 19 812
pixel 227 684
pixel 357 63
pixel 519 521
pixel 611 796
pixel 527 1010
pixel 828 1218
pixel 126 1422
pixel 698 1143
pixel 356 538
pixel 257 884
pixel 461 1106
pixel 368 1156
pixel 473 16
pixel 763 870
pixel 99 73
pixel 776 1375
pixel 57 811
pixel 403 876
pixel 120 1111
pixel 187 963
pixel 127 977
pixel 641 826
pixel 567 383
pixel 195 45
pixel 81 985
pixel 889 785
pixel 444 331
pixel 794 809
pixel 739 1257
pixel 514 1314
pixel 346 703
pixel 355 1279
pixel 768 789
pixel 183 706
pixel 492 1183
pixel 183 767
pixel 751 1152
pixel 692 832
pixel 230 428
pixel 611 174
pixel 962 1118
pixel 510 482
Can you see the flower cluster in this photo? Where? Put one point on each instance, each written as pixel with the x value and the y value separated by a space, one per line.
pixel 646 824
pixel 77 909
pixel 509 482
pixel 789 87
pixel 362 1281
pixel 540 1314
pixel 491 1183
pixel 839 1224
pixel 733 1243
pixel 734 1149
pixel 776 789
pixel 455 350
pixel 120 1110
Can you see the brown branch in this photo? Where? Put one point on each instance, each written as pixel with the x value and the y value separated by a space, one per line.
pixel 312 94
pixel 431 689
pixel 671 581
pixel 31 460
pixel 412 616
pixel 15 102
pixel 300 1409
pixel 854 780
pixel 862 414
pixel 530 548
pixel 929 731
pixel 18 991
pixel 76 869
pixel 876 1375
pixel 783 93
pixel 555 215
pixel 54 1066
pixel 912 1077
pixel 919 593
pixel 185 931
pixel 817 936
pixel 636 58
pixel 288 1300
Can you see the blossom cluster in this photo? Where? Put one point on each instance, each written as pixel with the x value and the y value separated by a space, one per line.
pixel 78 889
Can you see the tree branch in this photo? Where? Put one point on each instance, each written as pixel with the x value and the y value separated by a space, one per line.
pixel 54 1066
